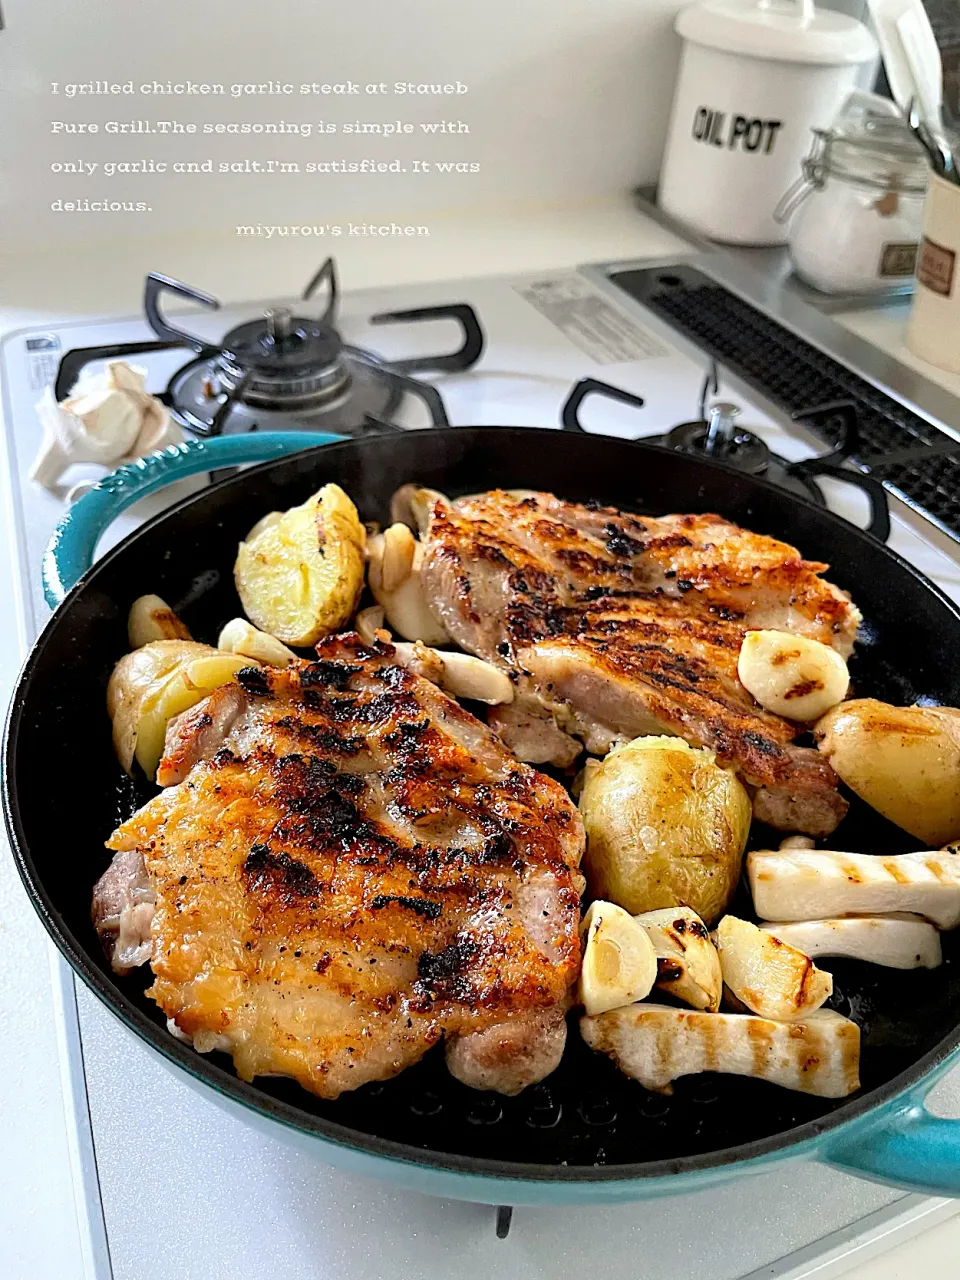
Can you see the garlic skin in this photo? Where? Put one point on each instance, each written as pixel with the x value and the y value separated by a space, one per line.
pixel 109 419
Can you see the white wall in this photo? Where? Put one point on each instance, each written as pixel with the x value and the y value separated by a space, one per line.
pixel 568 99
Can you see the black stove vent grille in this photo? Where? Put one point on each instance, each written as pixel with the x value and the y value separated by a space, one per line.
pixel 794 375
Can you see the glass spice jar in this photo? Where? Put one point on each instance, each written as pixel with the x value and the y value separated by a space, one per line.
pixel 856 213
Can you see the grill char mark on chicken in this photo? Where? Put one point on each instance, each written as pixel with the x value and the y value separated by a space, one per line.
pixel 357 869
pixel 620 625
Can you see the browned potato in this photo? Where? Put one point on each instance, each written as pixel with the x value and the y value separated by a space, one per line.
pixel 903 761
pixel 666 826
pixel 300 574
pixel 182 689
pixel 133 675
pixel 155 683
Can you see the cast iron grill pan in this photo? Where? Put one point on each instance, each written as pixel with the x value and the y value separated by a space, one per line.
pixel 66 794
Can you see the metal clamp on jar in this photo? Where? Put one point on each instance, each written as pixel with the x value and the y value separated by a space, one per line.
pixel 856 213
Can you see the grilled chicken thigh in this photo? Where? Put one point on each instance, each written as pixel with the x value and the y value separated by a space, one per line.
pixel 351 868
pixel 621 625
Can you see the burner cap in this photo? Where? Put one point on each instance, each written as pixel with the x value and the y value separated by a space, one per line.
pixel 282 343
pixel 284 361
pixel 744 450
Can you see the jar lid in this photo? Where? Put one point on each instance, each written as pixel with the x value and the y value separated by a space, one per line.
pixel 777 30
pixel 870 140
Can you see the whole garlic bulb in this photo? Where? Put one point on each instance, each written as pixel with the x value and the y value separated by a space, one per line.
pixel 109 419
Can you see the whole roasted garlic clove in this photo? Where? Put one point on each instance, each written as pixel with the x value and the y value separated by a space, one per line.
pixel 688 965
pixel 817 884
pixel 412 504
pixel 619 962
pixel 240 636
pixel 896 941
pixel 394 558
pixel 459 674
pixel 151 618
pixel 656 1045
pixel 770 977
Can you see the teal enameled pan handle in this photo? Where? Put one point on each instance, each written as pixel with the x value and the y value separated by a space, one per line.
pixel 71 549
pixel 903 1145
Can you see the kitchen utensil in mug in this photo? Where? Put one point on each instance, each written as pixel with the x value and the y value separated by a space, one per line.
pixel 936 147
pixel 754 79
pixel 911 58
pixel 934 329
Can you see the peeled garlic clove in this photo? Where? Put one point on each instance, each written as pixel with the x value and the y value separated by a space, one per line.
pixel 792 676
pixel 412 504
pixel 396 565
pixel 798 842
pixel 394 559
pixel 619 960
pixel 772 978
pixel 688 966
pixel 150 619
pixel 459 674
pixel 240 636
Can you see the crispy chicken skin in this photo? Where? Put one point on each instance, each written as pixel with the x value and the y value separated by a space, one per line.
pixel 357 869
pixel 621 625
pixel 488 554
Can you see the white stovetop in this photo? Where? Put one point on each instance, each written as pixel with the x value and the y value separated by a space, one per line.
pixel 42 1231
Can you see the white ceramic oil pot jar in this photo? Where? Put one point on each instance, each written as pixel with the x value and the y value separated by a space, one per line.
pixel 755 77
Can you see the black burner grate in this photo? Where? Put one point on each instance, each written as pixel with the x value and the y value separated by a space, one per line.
pixel 795 375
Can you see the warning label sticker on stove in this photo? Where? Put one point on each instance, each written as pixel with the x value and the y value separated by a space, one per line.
pixel 43 359
pixel 592 324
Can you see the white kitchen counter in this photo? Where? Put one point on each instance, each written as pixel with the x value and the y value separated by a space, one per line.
pixel 41 1234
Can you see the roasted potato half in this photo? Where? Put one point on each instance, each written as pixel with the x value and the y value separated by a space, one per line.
pixel 133 675
pixel 300 576
pixel 666 826
pixel 155 683
pixel 903 761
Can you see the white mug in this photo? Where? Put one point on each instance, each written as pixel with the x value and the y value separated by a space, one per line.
pixel 934 330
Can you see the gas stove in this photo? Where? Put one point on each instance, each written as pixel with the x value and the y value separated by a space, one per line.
pixel 573 349
pixel 284 369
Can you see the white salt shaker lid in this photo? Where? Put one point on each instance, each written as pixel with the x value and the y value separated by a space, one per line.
pixel 777 31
